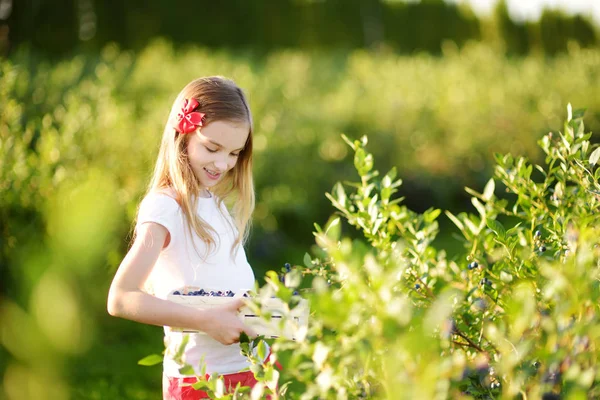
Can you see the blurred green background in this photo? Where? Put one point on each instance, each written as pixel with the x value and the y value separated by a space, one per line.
pixel 86 86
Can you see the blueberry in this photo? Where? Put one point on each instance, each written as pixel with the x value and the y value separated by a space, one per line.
pixel 246 295
pixel 480 304
pixel 213 293
pixel 295 293
pixel 281 278
pixel 542 248
pixel 417 286
pixel 473 265
pixel 537 234
pixel 229 293
pixel 220 293
pixel 176 292
pixel 201 292
pixel 287 267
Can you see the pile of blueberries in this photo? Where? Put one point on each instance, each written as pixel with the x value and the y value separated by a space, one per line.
pixel 229 293
pixel 202 292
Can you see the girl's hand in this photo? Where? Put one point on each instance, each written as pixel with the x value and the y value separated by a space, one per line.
pixel 224 325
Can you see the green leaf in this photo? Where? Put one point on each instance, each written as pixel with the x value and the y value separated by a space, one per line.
pixel 368 165
pixel 386 192
pixel 480 208
pixel 579 113
pixel 150 360
pixel 456 221
pixel 261 350
pixel 497 227
pixel 348 141
pixel 359 159
pixel 387 180
pixel 307 260
pixel 244 338
pixel 488 191
pixel 333 229
pixel 182 346
pixel 340 193
pixel 595 156
pixel 186 370
pixel 431 215
pixel 200 384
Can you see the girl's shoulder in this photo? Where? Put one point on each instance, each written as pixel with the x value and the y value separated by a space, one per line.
pixel 162 199
pixel 164 193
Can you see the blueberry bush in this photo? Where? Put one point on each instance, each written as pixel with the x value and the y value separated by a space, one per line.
pixel 515 316
pixel 69 128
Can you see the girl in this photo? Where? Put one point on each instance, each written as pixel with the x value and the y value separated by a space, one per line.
pixel 185 236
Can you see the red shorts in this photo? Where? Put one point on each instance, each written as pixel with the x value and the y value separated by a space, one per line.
pixel 181 389
pixel 175 389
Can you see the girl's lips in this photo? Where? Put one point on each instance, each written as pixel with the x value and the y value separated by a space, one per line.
pixel 211 176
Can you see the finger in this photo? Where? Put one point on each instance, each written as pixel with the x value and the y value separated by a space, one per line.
pixel 250 332
pixel 236 304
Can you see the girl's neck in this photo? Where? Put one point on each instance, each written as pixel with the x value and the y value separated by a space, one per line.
pixel 205 194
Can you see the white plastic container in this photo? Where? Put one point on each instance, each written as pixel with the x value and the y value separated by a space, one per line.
pixel 276 327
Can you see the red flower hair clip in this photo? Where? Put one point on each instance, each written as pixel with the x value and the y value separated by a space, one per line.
pixel 187 119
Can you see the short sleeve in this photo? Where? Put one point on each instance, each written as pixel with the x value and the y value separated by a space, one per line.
pixel 161 209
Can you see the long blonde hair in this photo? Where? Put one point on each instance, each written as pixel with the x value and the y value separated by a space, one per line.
pixel 220 99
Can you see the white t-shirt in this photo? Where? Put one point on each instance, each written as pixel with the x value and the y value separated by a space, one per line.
pixel 179 265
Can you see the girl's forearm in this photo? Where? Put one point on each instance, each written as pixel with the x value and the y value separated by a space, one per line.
pixel 142 307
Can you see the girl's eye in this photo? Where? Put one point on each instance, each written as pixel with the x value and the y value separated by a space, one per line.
pixel 235 155
pixel 210 150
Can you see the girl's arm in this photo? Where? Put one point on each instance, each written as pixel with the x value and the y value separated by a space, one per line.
pixel 127 300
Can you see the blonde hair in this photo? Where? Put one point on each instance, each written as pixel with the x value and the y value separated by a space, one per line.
pixel 220 99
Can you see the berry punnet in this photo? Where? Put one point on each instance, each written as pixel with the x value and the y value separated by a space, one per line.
pixel 211 293
pixel 282 322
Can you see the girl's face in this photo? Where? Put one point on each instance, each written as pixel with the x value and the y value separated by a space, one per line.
pixel 214 149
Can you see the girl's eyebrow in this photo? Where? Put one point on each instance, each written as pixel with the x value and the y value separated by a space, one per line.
pixel 220 145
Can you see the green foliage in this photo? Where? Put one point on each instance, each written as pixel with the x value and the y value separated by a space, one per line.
pixel 273 25
pixel 68 132
pixel 515 316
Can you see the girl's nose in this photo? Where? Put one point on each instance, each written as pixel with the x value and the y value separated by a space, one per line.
pixel 221 165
